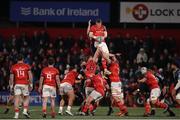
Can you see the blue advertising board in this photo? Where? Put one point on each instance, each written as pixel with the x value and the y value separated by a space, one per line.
pixel 35 98
pixel 58 11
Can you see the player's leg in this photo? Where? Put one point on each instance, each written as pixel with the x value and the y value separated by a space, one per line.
pixel 109 101
pixel 26 106
pixel 118 98
pixel 121 106
pixel 17 94
pixel 53 107
pixel 147 107
pixel 25 92
pixel 96 55
pixel 93 106
pixel 9 103
pixel 62 102
pixel 94 96
pixel 104 66
pixel 178 98
pixel 16 106
pixel 105 52
pixel 44 106
pixel 105 57
pixel 155 93
pixel 45 94
pixel 71 97
pixel 53 96
pixel 88 101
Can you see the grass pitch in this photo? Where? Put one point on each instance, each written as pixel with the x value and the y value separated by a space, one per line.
pixel 134 113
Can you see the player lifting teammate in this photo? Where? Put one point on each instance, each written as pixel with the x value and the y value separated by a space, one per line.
pixel 116 86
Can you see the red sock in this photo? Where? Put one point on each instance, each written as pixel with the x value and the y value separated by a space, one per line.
pixel 104 63
pixel 44 111
pixel 25 107
pixel 16 110
pixel 53 113
pixel 94 106
pixel 85 108
pixel 161 104
pixel 91 108
pixel 121 106
pixel 147 107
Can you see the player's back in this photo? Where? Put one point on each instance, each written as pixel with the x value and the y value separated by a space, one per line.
pixel 90 68
pixel 151 81
pixel 20 72
pixel 114 69
pixel 49 74
pixel 70 77
pixel 98 83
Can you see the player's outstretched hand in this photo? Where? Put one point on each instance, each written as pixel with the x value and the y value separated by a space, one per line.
pixel 89 22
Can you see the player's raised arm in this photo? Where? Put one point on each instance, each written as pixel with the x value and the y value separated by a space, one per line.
pixel 89 26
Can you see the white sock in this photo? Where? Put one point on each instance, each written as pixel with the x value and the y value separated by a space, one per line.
pixel 69 108
pixel 60 109
pixel 25 110
pixel 16 114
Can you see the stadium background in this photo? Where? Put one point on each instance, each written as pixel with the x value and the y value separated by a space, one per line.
pixel 67 42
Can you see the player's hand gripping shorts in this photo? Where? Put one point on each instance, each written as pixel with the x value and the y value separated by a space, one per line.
pixel 48 91
pixel 65 87
pixel 20 89
pixel 88 91
pixel 102 46
pixel 155 93
pixel 96 95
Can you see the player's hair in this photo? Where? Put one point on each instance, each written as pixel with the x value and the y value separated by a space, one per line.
pixel 51 61
pixel 20 57
pixel 98 21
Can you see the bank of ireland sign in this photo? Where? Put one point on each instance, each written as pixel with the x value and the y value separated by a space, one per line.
pixel 59 11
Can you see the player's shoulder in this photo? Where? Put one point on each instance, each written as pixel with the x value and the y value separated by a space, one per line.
pixel 149 73
pixel 27 65
pixel 45 69
pixel 73 72
pixel 14 66
pixel 56 70
pixel 93 26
